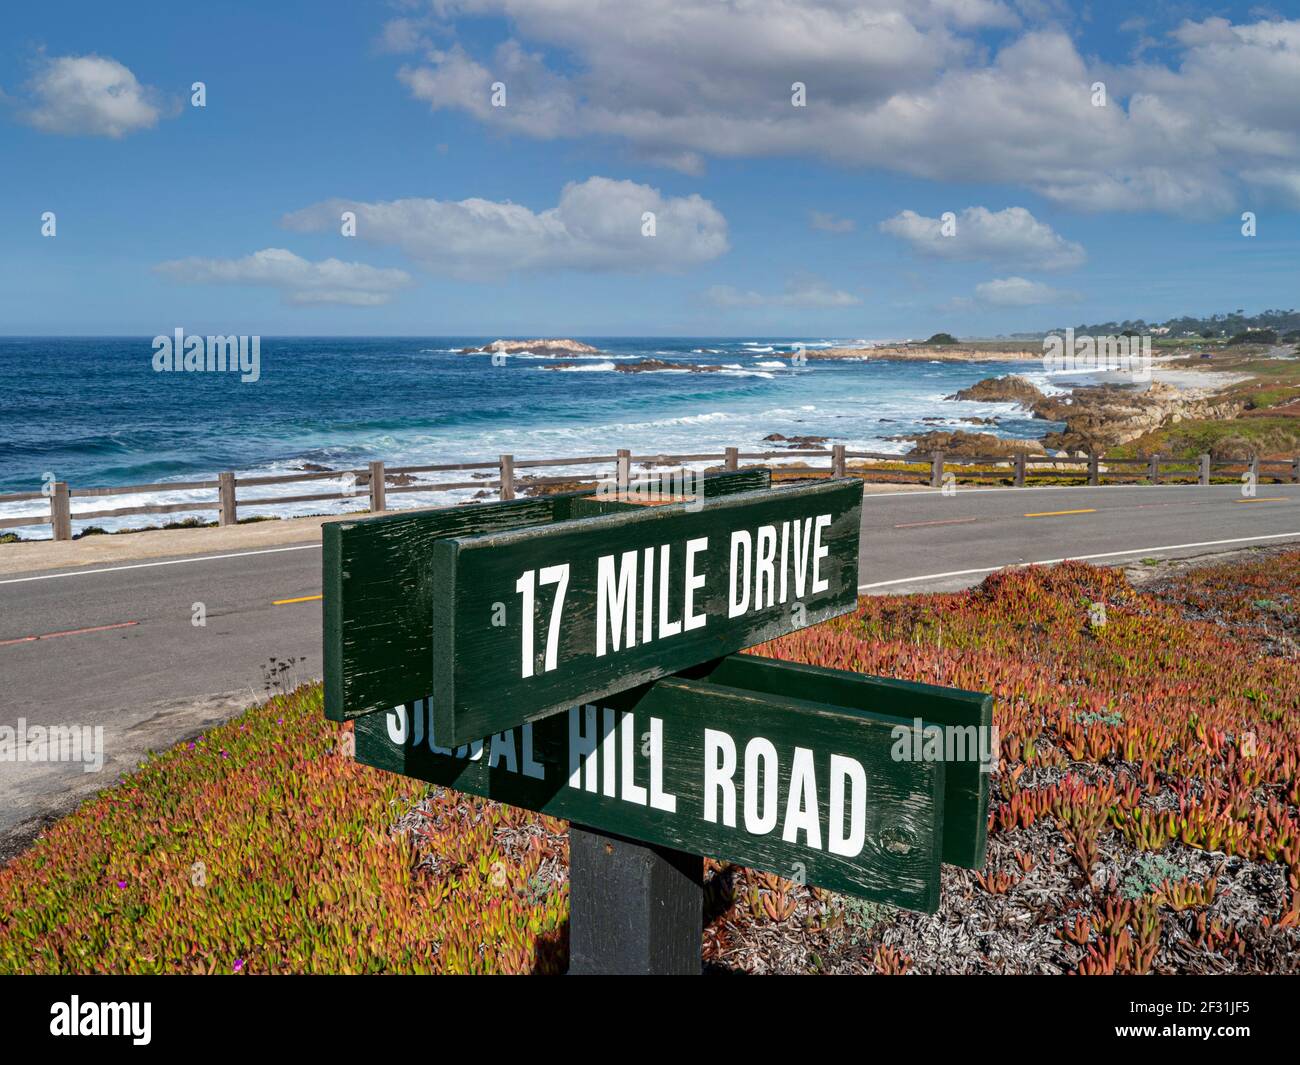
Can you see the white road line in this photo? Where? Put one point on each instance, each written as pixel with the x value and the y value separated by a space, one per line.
pixel 1072 558
pixel 976 490
pixel 169 562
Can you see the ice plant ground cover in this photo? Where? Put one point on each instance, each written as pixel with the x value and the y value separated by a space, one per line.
pixel 1144 817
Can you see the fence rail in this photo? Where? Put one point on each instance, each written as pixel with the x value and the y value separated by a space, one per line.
pixel 932 469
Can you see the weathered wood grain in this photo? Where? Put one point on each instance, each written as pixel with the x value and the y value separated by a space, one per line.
pixel 969 716
pixel 378 588
pixel 669 733
pixel 531 621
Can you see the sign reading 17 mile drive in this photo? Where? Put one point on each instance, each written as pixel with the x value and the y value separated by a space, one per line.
pixel 536 620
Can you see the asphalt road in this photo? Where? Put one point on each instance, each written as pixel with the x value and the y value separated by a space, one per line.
pixel 118 646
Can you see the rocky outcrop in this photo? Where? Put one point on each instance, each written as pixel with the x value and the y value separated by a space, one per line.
pixel 1010 389
pixel 537 347
pixel 1103 416
pixel 1107 415
pixel 781 440
pixel 961 444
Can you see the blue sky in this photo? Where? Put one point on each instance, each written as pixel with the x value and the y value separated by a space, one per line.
pixel 770 219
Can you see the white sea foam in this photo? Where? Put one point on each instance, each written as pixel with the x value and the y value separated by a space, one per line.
pixel 595 367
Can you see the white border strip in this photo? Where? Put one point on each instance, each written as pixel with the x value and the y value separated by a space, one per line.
pixel 1072 558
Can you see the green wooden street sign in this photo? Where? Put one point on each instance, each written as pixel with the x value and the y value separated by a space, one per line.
pixel 531 621
pixel 963 720
pixel 379 587
pixel 820 792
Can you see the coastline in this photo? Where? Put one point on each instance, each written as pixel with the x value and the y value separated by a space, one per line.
pixel 683 397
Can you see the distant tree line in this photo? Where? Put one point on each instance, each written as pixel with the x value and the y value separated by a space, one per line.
pixel 1285 324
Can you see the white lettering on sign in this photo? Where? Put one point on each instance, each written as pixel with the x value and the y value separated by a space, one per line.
pixel 633 587
pixel 606 763
pixel 763 562
pixel 616 598
pixel 417 727
pixel 760 797
pixel 617 604
pixel 525 586
pixel 605 759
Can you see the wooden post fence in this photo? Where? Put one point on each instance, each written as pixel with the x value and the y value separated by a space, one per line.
pixel 226 496
pixel 623 469
pixel 936 469
pixel 226 483
pixel 61 511
pixel 507 477
pixel 378 497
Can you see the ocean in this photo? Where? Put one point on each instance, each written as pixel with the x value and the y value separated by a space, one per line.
pixel 93 411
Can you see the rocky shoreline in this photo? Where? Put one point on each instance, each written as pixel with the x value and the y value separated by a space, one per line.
pixel 1098 417
pixel 928 353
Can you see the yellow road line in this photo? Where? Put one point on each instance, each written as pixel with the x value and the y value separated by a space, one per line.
pixel 1057 513
pixel 1263 499
pixel 300 599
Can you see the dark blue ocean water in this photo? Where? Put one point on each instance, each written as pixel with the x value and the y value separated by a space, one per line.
pixel 92 411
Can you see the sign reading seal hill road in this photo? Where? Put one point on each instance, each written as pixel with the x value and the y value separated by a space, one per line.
pixel 533 621
pixel 823 793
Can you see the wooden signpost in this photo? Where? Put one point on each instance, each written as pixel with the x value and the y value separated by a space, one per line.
pixel 379 587
pixel 574 656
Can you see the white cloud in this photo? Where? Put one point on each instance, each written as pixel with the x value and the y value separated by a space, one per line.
pixel 89 94
pixel 597 225
pixel 805 290
pixel 1019 292
pixel 906 86
pixel 401 35
pixel 299 281
pixel 1011 236
pixel 828 223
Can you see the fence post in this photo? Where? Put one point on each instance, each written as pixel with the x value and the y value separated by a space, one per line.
pixel 1153 468
pixel 507 477
pixel 623 470
pixel 733 458
pixel 61 511
pixel 1254 469
pixel 1020 469
pixel 378 500
pixel 1295 470
pixel 838 464
pixel 936 469
pixel 1204 472
pixel 226 496
pixel 1094 468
